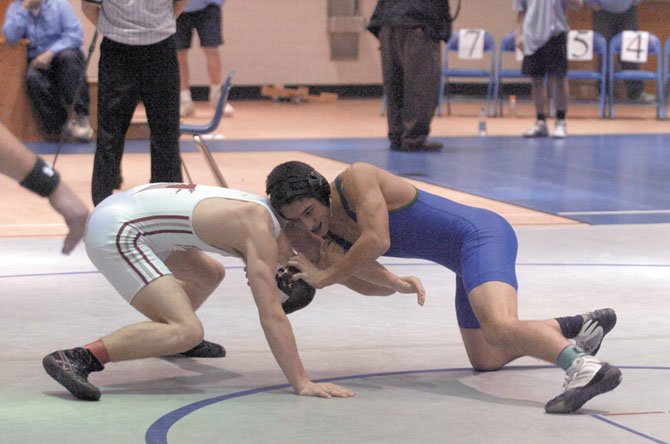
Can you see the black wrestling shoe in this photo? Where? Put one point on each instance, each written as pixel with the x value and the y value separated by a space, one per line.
pixel 596 325
pixel 587 378
pixel 205 349
pixel 71 369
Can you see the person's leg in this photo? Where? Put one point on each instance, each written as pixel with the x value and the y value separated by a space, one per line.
pixel 184 75
pixel 390 42
pixel 208 26
pixel 534 66
pixel 421 88
pixel 160 94
pixel 183 37
pixel 495 305
pixel 69 66
pixel 117 100
pixel 42 93
pixel 560 130
pixel 213 66
pixel 210 31
pixel 634 88
pixel 198 274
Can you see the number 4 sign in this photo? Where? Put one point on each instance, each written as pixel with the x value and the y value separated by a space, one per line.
pixel 634 46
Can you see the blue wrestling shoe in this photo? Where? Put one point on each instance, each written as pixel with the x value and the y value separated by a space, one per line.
pixel 587 378
pixel 596 325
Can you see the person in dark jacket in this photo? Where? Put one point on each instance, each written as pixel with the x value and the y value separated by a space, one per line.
pixel 409 33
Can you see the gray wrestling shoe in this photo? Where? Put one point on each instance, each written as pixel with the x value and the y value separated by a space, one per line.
pixel 71 369
pixel 596 325
pixel 205 349
pixel 587 378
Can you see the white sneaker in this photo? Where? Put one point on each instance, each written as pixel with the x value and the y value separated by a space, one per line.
pixel 596 325
pixel 560 131
pixel 645 97
pixel 228 110
pixel 539 129
pixel 587 378
pixel 79 128
pixel 186 108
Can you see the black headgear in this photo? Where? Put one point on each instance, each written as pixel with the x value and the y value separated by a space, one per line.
pixel 284 190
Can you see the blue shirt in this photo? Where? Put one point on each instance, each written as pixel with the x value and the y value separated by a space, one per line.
pixel 613 6
pixel 55 27
pixel 199 5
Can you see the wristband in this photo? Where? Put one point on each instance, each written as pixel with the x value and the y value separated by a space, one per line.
pixel 96 2
pixel 42 179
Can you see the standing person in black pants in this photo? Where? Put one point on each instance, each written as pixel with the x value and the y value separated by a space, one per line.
pixel 611 17
pixel 409 33
pixel 138 62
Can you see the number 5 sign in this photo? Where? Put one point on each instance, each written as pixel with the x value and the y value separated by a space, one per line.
pixel 634 46
pixel 580 45
pixel 471 44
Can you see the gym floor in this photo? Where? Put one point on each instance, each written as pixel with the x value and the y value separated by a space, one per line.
pixel 592 213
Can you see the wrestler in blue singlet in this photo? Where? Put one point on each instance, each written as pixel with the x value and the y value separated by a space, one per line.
pixel 476 244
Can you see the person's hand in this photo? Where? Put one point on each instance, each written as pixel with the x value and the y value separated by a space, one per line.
pixel 325 390
pixel 412 284
pixel 43 61
pixel 73 210
pixel 329 253
pixel 518 41
pixel 308 271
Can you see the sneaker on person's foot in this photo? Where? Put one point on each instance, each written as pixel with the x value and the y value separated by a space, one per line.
pixel 587 378
pixel 596 325
pixel 186 108
pixel 539 129
pixel 71 369
pixel 560 131
pixel 644 97
pixel 205 349
pixel 79 128
pixel 228 110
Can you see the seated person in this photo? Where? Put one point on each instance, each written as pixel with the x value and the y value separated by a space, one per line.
pixel 55 79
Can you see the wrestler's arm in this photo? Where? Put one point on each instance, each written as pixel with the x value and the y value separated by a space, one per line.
pixel 17 162
pixel 261 255
pixel 365 195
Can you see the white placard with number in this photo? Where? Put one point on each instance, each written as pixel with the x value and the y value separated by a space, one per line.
pixel 580 45
pixel 634 46
pixel 471 44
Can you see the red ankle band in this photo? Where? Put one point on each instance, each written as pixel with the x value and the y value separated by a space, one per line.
pixel 99 351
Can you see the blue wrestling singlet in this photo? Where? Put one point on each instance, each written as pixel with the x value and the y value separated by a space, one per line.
pixel 477 244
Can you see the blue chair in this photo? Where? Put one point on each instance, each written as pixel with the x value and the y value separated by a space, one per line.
pixel 599 74
pixel 507 46
pixel 657 75
pixel 197 131
pixel 447 72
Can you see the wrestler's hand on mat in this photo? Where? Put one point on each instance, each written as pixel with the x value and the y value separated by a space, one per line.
pixel 325 390
pixel 73 210
pixel 412 284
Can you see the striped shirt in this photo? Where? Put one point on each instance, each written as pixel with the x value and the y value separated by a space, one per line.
pixel 137 22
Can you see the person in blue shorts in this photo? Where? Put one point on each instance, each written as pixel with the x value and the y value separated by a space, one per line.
pixel 204 16
pixel 371 213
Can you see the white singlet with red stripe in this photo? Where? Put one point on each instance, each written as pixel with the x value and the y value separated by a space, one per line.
pixel 130 234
